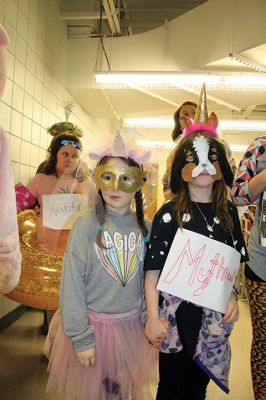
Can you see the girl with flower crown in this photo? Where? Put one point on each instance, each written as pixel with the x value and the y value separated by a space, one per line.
pixel 100 350
pixel 195 348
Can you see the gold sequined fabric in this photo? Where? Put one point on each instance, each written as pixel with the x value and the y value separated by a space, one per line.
pixel 40 271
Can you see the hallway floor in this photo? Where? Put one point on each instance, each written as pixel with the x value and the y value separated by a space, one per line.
pixel 23 367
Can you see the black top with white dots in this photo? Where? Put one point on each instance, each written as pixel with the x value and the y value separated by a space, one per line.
pixel 163 231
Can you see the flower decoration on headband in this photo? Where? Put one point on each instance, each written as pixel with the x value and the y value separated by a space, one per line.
pixel 118 149
pixel 202 122
pixel 64 127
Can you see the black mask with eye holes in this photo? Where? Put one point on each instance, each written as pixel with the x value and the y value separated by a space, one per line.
pixel 186 159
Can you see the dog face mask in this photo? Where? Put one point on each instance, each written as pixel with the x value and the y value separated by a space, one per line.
pixel 201 155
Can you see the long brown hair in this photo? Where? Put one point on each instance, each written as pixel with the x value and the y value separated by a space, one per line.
pixel 101 208
pixel 180 188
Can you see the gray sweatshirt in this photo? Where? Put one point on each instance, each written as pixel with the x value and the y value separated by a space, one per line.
pixel 95 279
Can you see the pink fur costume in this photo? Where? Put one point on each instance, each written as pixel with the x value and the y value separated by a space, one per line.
pixel 10 258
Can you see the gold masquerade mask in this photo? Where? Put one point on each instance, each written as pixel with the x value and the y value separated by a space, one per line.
pixel 129 179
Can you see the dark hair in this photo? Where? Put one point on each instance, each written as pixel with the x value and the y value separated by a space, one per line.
pixel 100 211
pixel 177 129
pixel 49 167
pixel 219 193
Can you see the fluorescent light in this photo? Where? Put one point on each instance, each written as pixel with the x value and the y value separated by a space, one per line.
pixel 243 82
pixel 247 62
pixel 160 79
pixel 242 125
pixel 156 143
pixel 238 148
pixel 169 145
pixel 148 123
pixel 224 125
pixel 172 80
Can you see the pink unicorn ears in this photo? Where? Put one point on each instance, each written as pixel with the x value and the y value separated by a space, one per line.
pixel 214 119
pixel 117 148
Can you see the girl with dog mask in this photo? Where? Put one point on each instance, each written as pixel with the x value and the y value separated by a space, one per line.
pixel 196 347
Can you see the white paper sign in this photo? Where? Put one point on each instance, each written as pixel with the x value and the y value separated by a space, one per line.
pixel 200 270
pixel 60 211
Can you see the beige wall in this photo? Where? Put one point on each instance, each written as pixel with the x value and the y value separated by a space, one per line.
pixel 35 91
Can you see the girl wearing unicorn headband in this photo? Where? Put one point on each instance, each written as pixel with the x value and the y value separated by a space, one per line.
pixel 200 216
pixel 100 351
pixel 183 117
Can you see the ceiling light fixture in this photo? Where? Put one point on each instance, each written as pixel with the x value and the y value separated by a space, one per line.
pixel 156 143
pixel 247 62
pixel 224 124
pixel 238 148
pixel 172 80
pixel 242 125
pixel 154 79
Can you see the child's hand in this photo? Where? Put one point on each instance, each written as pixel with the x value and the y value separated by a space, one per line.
pixel 156 331
pixel 86 358
pixel 231 315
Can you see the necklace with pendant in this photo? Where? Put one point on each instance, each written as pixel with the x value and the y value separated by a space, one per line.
pixel 215 219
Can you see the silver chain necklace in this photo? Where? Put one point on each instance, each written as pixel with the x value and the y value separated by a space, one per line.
pixel 215 219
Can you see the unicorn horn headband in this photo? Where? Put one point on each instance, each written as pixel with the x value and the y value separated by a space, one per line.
pixel 117 148
pixel 202 122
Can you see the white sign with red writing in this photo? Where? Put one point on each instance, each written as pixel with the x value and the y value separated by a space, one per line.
pixel 200 270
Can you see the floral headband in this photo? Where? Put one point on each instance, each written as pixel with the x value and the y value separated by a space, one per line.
pixel 117 149
pixel 64 127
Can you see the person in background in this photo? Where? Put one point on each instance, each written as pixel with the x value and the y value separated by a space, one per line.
pixel 184 113
pixel 63 155
pixel 58 176
pixel 100 351
pixel 196 346
pixel 182 118
pixel 249 187
pixel 59 128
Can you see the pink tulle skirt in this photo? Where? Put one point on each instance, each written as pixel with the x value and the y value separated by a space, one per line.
pixel 125 362
pixel 55 323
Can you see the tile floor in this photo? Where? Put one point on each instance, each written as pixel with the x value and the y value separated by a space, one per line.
pixel 23 373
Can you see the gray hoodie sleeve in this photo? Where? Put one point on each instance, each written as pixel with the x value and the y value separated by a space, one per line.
pixel 143 315
pixel 73 291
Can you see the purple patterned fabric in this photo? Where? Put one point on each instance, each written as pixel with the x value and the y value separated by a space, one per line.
pixel 213 352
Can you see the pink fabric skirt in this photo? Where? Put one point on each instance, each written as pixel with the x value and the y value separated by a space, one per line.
pixel 125 362
pixel 55 323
